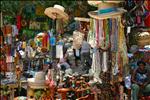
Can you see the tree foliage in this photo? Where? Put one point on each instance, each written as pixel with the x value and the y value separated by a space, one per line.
pixel 12 8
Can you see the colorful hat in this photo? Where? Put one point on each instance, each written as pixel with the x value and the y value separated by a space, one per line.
pixel 106 9
pixel 56 12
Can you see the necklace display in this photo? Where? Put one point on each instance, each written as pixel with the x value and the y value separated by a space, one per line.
pixel 107 37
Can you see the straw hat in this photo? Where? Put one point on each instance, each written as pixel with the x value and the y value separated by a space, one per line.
pixel 38 82
pixel 56 12
pixel 82 19
pixel 97 2
pixel 107 9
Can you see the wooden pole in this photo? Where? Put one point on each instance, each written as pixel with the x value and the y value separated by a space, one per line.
pixel 1 19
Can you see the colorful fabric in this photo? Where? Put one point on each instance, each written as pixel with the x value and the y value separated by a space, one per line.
pixel 52 41
pixel 18 22
pixel 45 41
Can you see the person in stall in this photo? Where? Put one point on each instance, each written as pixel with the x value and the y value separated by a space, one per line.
pixel 85 55
pixel 140 81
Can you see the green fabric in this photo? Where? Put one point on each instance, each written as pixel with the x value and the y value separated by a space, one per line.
pixel 136 89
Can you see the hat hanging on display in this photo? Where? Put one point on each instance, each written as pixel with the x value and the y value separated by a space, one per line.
pixel 38 82
pixel 82 19
pixel 56 12
pixel 106 9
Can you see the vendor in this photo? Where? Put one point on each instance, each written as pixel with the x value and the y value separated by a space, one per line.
pixel 85 54
pixel 141 80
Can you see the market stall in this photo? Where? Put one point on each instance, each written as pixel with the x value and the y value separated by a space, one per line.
pixel 42 44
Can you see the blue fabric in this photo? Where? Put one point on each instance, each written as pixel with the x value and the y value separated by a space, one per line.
pixel 108 10
pixel 52 41
pixel 141 78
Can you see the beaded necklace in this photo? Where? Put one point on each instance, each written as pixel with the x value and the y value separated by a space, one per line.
pixel 116 28
pixel 105 34
pixel 101 38
pixel 97 32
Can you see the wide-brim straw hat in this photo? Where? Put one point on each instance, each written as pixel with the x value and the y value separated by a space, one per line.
pixel 81 19
pixel 56 12
pixel 97 2
pixel 108 9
